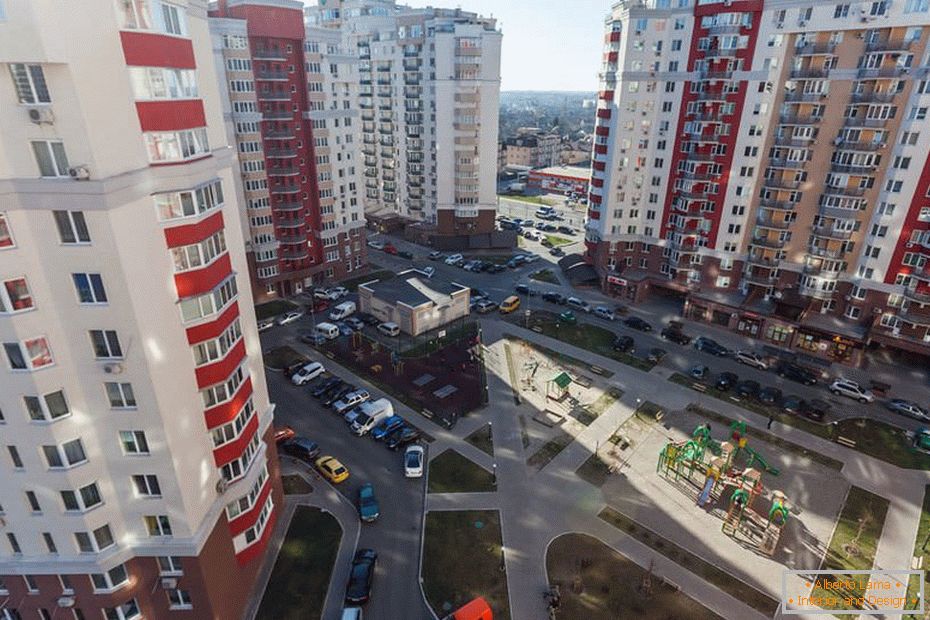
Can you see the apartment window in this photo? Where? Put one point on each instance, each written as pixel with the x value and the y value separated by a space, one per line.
pixel 222 392
pixel 177 145
pixel 247 501
pixel 51 546
pixel 50 407
pixel 33 501
pixel 901 162
pixel 71 227
pixel 110 580
pixel 163 83
pixel 51 158
pixel 127 611
pixel 179 599
pixel 189 203
pixel 237 468
pixel 146 485
pixel 106 344
pixel 14 543
pixel 169 565
pixel 841 10
pixel 917 113
pixel 157 525
pixel 14 457
pixel 67 454
pixel 120 395
pixel 29 354
pixel 83 499
pixel 90 289
pixel 15 296
pixel 194 308
pixel 134 442
pixel 29 81
pixel 231 430
pixel 6 236
pixel 198 255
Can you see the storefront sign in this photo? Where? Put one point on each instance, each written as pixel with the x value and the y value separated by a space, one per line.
pixel 616 281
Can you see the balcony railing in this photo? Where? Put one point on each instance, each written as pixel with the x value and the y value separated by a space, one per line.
pixel 799 96
pixel 760 280
pixel 810 74
pixel 889 45
pixel 816 293
pixel 781 183
pixel 828 232
pixel 769 222
pixel 820 252
pixel 768 242
pixel 724 29
pixel 815 49
pixel 270 54
pixel 865 73
pixel 795 119
pixel 290 205
pixel 778 205
pixel 919 296
pixel 786 163
pixel 793 142
pixel 280 76
pixel 281 153
pixel 278 115
pixel 843 145
pixel 843 191
pixel 873 97
pixel 868 123
pixel 853 169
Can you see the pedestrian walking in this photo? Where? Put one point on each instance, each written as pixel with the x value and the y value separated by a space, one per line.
pixel 771 419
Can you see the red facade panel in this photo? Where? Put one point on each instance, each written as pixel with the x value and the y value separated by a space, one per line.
pixel 234 449
pixel 171 115
pixel 148 49
pixel 208 331
pixel 178 236
pixel 258 547
pixel 211 374
pixel 221 414
pixel 247 519
pixel 200 281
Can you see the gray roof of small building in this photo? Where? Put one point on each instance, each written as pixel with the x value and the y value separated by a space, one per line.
pixel 412 288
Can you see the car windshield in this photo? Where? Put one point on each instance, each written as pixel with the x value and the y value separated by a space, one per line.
pixel 339 471
pixel 363 418
pixel 413 459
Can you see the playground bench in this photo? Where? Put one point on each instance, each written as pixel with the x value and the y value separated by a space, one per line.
pixel 597 370
pixel 583 381
pixel 849 443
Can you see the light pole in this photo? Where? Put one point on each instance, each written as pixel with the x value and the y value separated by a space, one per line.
pixel 494 473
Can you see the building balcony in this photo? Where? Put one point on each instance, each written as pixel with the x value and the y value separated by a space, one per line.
pixel 793 142
pixel 295 255
pixel 768 242
pixel 839 212
pixel 816 293
pixel 288 205
pixel 919 296
pixel 881 72
pixel 707 117
pixel 867 123
pixel 820 252
pixel 278 115
pixel 693 156
pixel 272 76
pixel 724 29
pixel 719 52
pixel 712 95
pixel 774 223
pixel 760 279
pixel 761 261
pixel 789 164
pixel 843 191
pixel 780 183
pixel 281 153
pixel 776 205
pixel 843 145
pixel 284 172
pixel 873 97
pixel 710 74
pixel 270 54
pixel 277 96
pixel 796 119
pixel 291 224
pixel 811 73
pixel 285 189
pixel 799 96
pixel 815 49
pixel 697 176
pixel 889 45
pixel 828 232
pixel 853 169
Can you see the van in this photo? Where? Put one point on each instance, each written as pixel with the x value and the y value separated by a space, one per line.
pixel 352 613
pixel 370 409
pixel 388 329
pixel 364 422
pixel 510 304
pixel 342 311
pixel 327 330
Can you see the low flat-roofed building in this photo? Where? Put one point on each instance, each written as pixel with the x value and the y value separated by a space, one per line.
pixel 414 301
pixel 561 180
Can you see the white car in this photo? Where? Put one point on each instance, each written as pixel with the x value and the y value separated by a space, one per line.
pixel 578 304
pixel 455 259
pixel 751 359
pixel 485 305
pixel 336 293
pixel 604 312
pixel 265 325
pixel 378 245
pixel 413 462
pixel 289 317
pixel 308 373
pixel 848 387
pixel 350 400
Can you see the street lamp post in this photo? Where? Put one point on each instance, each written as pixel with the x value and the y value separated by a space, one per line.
pixel 494 473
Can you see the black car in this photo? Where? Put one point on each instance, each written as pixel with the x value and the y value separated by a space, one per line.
pixel 333 389
pixel 792 404
pixel 747 389
pixel 301 448
pixel 557 252
pixel 522 289
pixel 368 319
pixel 335 395
pixel 770 396
pixel 795 372
pixel 675 335
pixel 725 381
pixel 405 254
pixel 624 344
pixel 567 230
pixel 401 437
pixel 713 347
pixel 321 389
pixel 358 590
pixel 634 322
pixel 656 355
pixel 290 370
pixel 496 268
pixel 556 298
pixel 815 409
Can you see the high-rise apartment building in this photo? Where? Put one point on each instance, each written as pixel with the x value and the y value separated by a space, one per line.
pixel 767 162
pixel 428 97
pixel 138 475
pixel 289 101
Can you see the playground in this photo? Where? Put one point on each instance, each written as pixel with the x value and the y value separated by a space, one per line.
pixel 745 505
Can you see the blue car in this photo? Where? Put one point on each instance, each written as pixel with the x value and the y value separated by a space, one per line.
pixel 387 426
pixel 368 509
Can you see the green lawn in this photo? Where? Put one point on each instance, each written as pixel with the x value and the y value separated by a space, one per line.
pixel 556 355
pixel 426 344
pixel 274 308
pixel 282 357
pixel 536 200
pixel 586 336
pixel 860 504
pixel 544 275
pixel 921 546
pixel 450 472
pixel 594 470
pixel 708 571
pixel 872 437
pixel 462 560
pixel 352 283
pixel 555 241
pixel 301 574
pixel 295 485
pixel 482 439
pixel 610 585
pixel 550 450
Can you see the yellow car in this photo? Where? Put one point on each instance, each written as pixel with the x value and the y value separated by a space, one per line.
pixel 331 469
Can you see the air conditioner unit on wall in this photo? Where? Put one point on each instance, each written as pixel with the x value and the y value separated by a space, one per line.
pixel 79 173
pixel 66 601
pixel 221 486
pixel 41 115
pixel 113 369
pixel 169 583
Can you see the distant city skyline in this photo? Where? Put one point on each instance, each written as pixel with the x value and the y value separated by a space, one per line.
pixel 548 44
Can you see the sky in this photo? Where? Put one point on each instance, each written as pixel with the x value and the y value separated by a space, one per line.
pixel 548 44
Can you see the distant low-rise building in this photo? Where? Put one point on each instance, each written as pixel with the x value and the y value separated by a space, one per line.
pixel 414 301
pixel 532 147
pixel 560 180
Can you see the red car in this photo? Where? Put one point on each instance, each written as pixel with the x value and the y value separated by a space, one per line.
pixel 283 433
pixel 390 249
pixel 319 305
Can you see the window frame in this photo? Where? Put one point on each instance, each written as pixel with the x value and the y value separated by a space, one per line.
pixel 44 408
pixel 150 483
pixel 94 285
pixel 127 395
pixel 158 526
pixel 61 166
pixel 145 448
pixel 7 304
pixel 62 453
pixel 28 70
pixel 76 224
pixel 29 361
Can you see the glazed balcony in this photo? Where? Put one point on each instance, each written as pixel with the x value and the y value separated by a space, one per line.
pixel 815 49
pixel 821 252
pixel 866 123
pixel 889 45
pixel 781 183
pixel 768 242
pixel 828 232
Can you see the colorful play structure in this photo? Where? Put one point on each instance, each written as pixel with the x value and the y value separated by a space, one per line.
pixel 730 464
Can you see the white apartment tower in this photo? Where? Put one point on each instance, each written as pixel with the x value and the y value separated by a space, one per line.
pixel 138 476
pixel 766 162
pixel 429 89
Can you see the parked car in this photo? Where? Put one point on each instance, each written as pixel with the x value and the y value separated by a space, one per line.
pixel 908 408
pixel 386 427
pixel 674 334
pixel 557 252
pixel 308 372
pixel 361 575
pixel 283 433
pixel 429 272
pixel 320 388
pixel 656 355
pixel 413 462
pixel 454 259
pixel 319 305
pixel 699 371
pixel 335 388
pixel 336 395
pixel 314 338
pixel 350 400
pixel 289 317
pixel 337 292
pixel 624 344
pixel 578 304
pixel 435 255
pixel 389 248
pixel 355 323
pixel 301 448
pixel 851 389
pixel 707 345
pixel 368 509
pixel 331 469
pixel 725 381
pixel 485 305
pixel 401 437
pixel 634 322
pixel 751 359
pixel 265 325
pixel 565 230
pixel 553 297
pixel 496 268
pixel 795 372
pixel 568 317
pixel 522 289
pixel 345 330
pixel 389 328
pixel 747 389
pixel 792 404
pixel 604 312
pixel 405 254
pixel 292 369
pixel 770 396
pixel 378 245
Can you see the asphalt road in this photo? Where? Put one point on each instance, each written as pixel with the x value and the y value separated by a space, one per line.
pixel 510 207
pixel 396 534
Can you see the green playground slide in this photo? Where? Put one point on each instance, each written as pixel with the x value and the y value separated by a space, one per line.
pixel 757 458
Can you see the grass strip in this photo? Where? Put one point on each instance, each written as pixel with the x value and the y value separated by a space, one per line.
pixel 295 485
pixel 545 275
pixel 568 360
pixel 482 439
pixel 737 588
pixel 549 450
pixel 273 308
pixel 920 546
pixel 450 472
